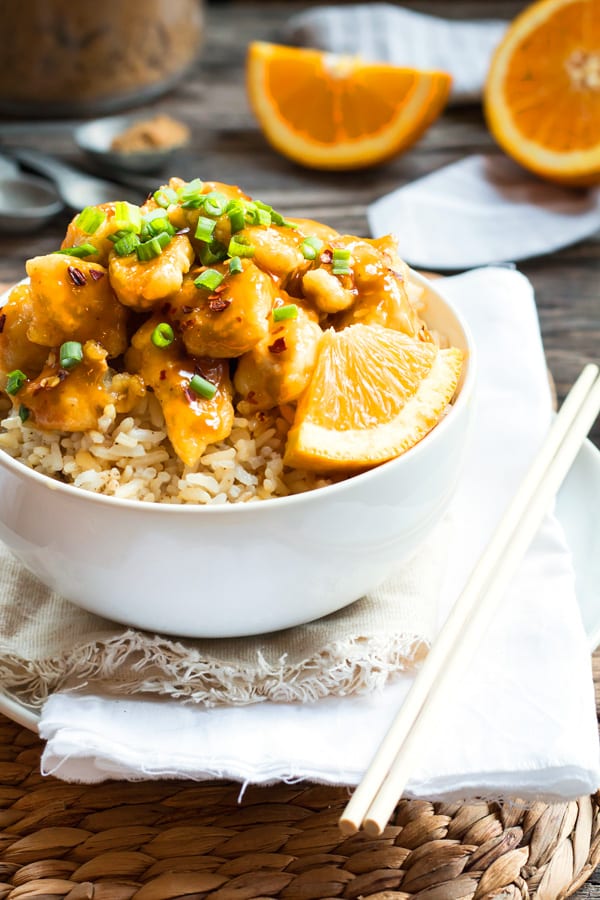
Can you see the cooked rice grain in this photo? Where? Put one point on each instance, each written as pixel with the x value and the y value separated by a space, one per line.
pixel 131 457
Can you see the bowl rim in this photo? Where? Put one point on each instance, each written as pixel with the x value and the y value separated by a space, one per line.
pixel 304 498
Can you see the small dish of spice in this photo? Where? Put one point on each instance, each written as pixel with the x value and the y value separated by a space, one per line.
pixel 132 144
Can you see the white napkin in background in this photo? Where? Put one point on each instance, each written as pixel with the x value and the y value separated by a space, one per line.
pixel 482 209
pixel 522 719
pixel 386 33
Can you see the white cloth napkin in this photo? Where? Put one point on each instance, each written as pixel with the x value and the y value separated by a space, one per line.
pixel 480 210
pixel 387 33
pixel 521 721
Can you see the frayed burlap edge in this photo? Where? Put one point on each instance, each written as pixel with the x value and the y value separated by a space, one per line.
pixel 135 663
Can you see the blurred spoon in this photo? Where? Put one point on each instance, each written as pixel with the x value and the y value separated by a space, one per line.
pixel 76 188
pixel 26 202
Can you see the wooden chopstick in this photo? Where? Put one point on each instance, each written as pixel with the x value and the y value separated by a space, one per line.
pixel 375 797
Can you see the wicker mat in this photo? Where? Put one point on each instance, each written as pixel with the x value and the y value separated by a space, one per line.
pixel 159 840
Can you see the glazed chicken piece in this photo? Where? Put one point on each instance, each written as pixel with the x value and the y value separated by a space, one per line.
pixel 192 421
pixel 72 300
pixel 279 367
pixel 16 350
pixel 182 217
pixel 71 399
pixel 76 236
pixel 143 285
pixel 230 321
pixel 276 249
pixel 308 227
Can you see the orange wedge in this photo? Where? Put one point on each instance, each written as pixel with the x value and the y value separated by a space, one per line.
pixel 337 112
pixel 542 96
pixel 374 393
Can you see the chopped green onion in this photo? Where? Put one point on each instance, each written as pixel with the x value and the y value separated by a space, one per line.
pixel 214 203
pixel 90 219
pixel 212 253
pixel 165 197
pixel 127 216
pixel 70 354
pixel 202 387
pixel 23 413
pixel 237 218
pixel 127 244
pixel 162 336
pixel 190 195
pixel 263 217
pixel 281 313
pixel 240 246
pixel 157 225
pixel 210 279
pixel 163 238
pixel 15 381
pixel 80 250
pixel 205 229
pixel 341 262
pixel 117 235
pixel 235 265
pixel 149 249
pixel 311 246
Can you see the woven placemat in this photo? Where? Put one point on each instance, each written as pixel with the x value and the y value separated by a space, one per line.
pixel 178 839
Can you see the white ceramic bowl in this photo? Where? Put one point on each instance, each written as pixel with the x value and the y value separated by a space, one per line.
pixel 242 569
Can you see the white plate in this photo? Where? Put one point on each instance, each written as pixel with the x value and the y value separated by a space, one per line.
pixel 577 509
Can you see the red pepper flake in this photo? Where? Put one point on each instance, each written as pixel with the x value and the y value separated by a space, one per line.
pixel 163 374
pixel 189 395
pixel 186 310
pixel 149 388
pixel 218 304
pixel 165 309
pixel 62 374
pixel 326 257
pixel 183 231
pixel 2 322
pixel 77 276
pixel 278 346
pixel 96 274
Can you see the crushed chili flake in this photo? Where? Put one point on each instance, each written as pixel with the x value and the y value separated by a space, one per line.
pixel 218 304
pixel 77 276
pixel 96 274
pixel 183 231
pixel 326 257
pixel 189 395
pixel 278 346
pixel 186 310
pixel 62 374
pixel 163 374
pixel 149 388
pixel 165 308
pixel 2 322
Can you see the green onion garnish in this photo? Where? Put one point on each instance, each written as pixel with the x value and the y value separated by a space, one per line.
pixel 237 215
pixel 235 265
pixel 210 279
pixel 190 195
pixel 157 225
pixel 341 262
pixel 163 238
pixel 15 381
pixel 70 354
pixel 90 219
pixel 165 197
pixel 23 413
pixel 214 203
pixel 126 244
pixel 117 235
pixel 311 246
pixel 205 229
pixel 202 387
pixel 281 313
pixel 240 246
pixel 263 217
pixel 80 250
pixel 162 336
pixel 149 249
pixel 127 216
pixel 212 253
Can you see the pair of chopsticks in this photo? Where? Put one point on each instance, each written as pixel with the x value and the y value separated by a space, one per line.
pixel 376 796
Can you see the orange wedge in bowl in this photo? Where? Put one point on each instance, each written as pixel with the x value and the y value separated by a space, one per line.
pixel 542 96
pixel 374 393
pixel 338 112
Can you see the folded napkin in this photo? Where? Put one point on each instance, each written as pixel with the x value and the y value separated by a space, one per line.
pixel 382 32
pixel 483 209
pixel 521 721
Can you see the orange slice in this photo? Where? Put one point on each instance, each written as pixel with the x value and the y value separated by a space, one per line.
pixel 374 393
pixel 542 96
pixel 337 112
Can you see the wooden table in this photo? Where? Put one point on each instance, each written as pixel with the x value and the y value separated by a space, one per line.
pixel 227 146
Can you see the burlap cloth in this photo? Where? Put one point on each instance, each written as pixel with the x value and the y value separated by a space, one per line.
pixel 48 644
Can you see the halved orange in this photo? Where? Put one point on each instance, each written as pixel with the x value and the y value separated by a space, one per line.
pixel 338 112
pixel 374 393
pixel 542 97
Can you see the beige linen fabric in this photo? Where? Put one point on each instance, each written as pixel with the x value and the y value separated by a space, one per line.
pixel 48 644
